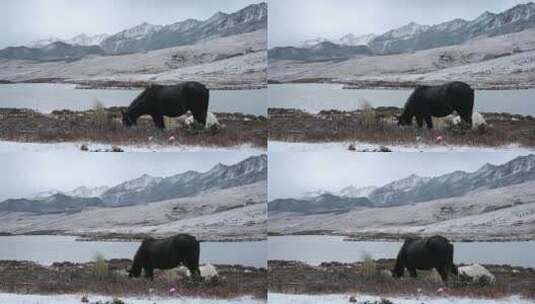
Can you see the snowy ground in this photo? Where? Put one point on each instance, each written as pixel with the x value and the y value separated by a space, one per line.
pixel 216 61
pixel 277 298
pixel 7 298
pixel 485 62
pixel 282 146
pixel 205 215
pixel 12 146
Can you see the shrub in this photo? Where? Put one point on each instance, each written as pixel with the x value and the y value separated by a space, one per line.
pixel 369 267
pixel 101 117
pixel 100 269
pixel 369 117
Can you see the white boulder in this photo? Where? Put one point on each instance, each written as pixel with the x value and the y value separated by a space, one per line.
pixel 478 120
pixel 476 272
pixel 211 120
pixel 208 271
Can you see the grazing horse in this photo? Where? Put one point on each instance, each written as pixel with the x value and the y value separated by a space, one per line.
pixel 425 254
pixel 438 101
pixel 173 101
pixel 166 254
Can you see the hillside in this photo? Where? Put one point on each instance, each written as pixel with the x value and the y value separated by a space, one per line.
pixel 226 197
pixel 494 202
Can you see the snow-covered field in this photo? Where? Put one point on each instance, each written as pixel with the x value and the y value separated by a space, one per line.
pixel 277 298
pixel 7 298
pixel 12 146
pixel 482 61
pixel 483 214
pixel 214 61
pixel 282 146
pixel 206 215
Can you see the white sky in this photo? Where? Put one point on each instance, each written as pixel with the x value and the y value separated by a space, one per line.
pixel 25 174
pixel 23 21
pixel 293 21
pixel 293 174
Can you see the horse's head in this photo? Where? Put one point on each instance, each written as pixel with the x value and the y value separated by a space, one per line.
pixel 404 119
pixel 127 119
pixel 134 272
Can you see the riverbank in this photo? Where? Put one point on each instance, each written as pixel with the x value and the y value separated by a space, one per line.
pixel 9 298
pixel 372 277
pixel 400 237
pixel 362 129
pixel 109 278
pixel 103 126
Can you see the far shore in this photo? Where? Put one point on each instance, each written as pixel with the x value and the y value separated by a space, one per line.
pixel 391 237
pixel 401 85
pixel 123 237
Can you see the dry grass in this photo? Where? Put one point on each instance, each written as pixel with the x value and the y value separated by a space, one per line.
pixel 68 278
pixel 104 126
pixel 295 277
pixel 379 126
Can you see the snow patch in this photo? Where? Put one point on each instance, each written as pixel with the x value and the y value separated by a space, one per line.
pixel 476 272
pixel 9 298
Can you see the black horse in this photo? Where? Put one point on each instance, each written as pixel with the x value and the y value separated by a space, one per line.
pixel 173 101
pixel 181 249
pixel 424 254
pixel 438 101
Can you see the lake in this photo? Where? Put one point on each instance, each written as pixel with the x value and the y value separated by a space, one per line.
pixel 317 97
pixel 45 97
pixel 48 249
pixel 317 249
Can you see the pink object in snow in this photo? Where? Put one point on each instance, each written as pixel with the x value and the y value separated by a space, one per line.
pixel 172 291
pixel 171 139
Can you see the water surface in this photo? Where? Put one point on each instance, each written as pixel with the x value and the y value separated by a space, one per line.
pixel 317 249
pixel 48 249
pixel 317 97
pixel 45 97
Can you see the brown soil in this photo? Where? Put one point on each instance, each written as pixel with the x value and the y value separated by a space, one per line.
pixel 360 277
pixel 379 126
pixel 63 278
pixel 104 126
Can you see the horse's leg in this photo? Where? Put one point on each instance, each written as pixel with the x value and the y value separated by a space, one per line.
pixel 149 272
pixel 443 273
pixel 158 121
pixel 429 122
pixel 420 121
pixel 412 271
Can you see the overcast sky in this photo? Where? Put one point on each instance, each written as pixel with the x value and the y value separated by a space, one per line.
pixel 23 21
pixel 25 174
pixel 293 21
pixel 293 174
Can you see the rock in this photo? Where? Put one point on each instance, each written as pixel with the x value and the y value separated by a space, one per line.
pixel 476 273
pixel 478 120
pixel 84 148
pixel 351 147
pixel 352 299
pixel 85 299
pixel 208 271
pixel 211 120
pixel 116 149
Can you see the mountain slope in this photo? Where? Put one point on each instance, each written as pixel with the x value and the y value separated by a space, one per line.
pixel 148 189
pixel 325 203
pixel 51 52
pixel 413 37
pixel 145 37
pixel 322 51
pixel 145 189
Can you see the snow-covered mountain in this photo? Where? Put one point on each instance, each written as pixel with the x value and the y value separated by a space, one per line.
pixel 352 39
pixel 146 189
pixel 413 37
pixel 87 40
pixel 146 36
pixel 416 189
